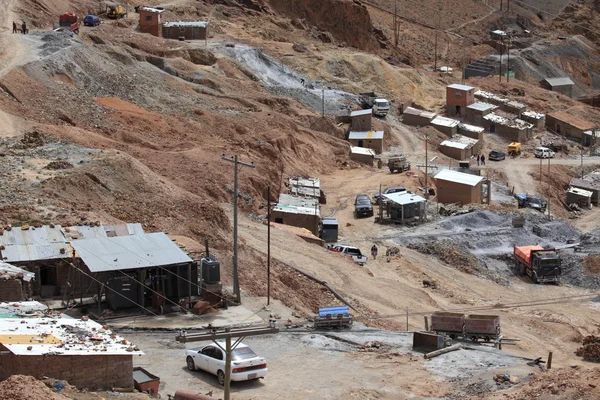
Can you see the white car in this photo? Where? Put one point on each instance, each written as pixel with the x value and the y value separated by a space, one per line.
pixel 543 152
pixel 245 364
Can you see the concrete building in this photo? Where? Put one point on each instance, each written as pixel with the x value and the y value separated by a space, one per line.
pixel 538 120
pixel 568 125
pixel 458 187
pixel 460 147
pixel 362 155
pixel 302 212
pixel 361 120
pixel 475 112
pixel 581 197
pixel 514 107
pixel 515 130
pixel 81 352
pixel 369 139
pixel 14 282
pixel 562 85
pixel 196 30
pixel 590 186
pixel 472 131
pixel 415 117
pixel 150 21
pixel 458 97
pixel 445 125
pixel 405 207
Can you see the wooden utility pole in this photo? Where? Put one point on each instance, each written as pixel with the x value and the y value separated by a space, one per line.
pixel 236 282
pixel 268 244
pixel 501 52
pixel 426 166
pixel 508 59
pixel 396 25
pixel 227 334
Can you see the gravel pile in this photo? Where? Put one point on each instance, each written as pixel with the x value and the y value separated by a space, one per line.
pixel 22 387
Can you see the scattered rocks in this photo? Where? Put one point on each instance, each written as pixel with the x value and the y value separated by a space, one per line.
pixel 299 48
pixel 590 349
pixel 59 164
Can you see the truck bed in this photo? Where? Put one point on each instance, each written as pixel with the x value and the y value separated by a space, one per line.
pixel 524 252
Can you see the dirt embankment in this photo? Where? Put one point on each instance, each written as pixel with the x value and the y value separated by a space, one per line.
pixel 347 21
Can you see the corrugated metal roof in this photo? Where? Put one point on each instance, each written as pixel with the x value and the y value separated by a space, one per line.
pixel 8 271
pixel 68 337
pixel 362 150
pixel 102 231
pixel 499 32
pixel 580 192
pixel 154 10
pixel 124 230
pixel 458 177
pixel 456 145
pixel 559 81
pixel 361 112
pixel 460 87
pixel 296 210
pixel 443 121
pixel 34 244
pixel 295 201
pixel 479 106
pixel 183 24
pixel 354 135
pixel 129 252
pixel 404 198
pixel 471 128
pixel 583 184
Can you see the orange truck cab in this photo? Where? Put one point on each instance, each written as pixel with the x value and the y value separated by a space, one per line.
pixel 542 265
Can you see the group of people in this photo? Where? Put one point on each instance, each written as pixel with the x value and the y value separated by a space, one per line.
pixel 24 29
pixel 481 159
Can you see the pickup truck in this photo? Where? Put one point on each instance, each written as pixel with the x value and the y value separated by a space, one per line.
pixel 542 265
pixel 380 106
pixel 350 251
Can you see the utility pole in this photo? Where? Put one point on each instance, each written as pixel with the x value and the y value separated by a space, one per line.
pixel 426 166
pixel 435 53
pixel 581 162
pixel 323 103
pixel 501 52
pixel 396 27
pixel 236 282
pixel 548 205
pixel 269 244
pixel 508 59
pixel 227 334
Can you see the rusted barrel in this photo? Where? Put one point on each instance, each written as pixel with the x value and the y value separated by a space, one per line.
pixel 189 395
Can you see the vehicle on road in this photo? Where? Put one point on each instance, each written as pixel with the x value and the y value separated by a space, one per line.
pixel 350 251
pixel 245 364
pixel 398 163
pixel 380 106
pixel 115 11
pixel 363 206
pixel 525 200
pixel 543 152
pixel 91 20
pixel 394 189
pixel 514 149
pixel 330 317
pixel 496 155
pixel 542 265
pixel 69 20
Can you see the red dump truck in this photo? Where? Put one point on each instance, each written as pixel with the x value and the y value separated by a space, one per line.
pixel 542 265
pixel 69 20
pixel 473 327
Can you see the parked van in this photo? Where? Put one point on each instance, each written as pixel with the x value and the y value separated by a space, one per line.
pixel 544 152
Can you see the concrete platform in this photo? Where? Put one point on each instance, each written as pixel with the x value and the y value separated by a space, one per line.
pixel 237 315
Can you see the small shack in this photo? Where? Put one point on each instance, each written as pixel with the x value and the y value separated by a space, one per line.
pixel 306 187
pixel 405 206
pixel 590 186
pixel 84 353
pixel 458 97
pixel 475 112
pixel 515 130
pixel 150 21
pixel 472 131
pixel 194 30
pixel 568 125
pixel 302 212
pixel 581 197
pixel 415 117
pixel 369 139
pixel 490 97
pixel 514 107
pixel 329 229
pixel 362 155
pixel 361 120
pixel 14 282
pixel 562 85
pixel 460 147
pixel 445 125
pixel 538 120
pixel 458 187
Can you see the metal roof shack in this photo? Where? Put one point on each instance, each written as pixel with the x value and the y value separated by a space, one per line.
pixel 366 135
pixel 572 120
pixel 296 210
pixel 458 177
pixel 404 198
pixel 499 32
pixel 358 113
pixel 559 81
pixel 479 106
pixel 8 271
pixel 458 86
pixel 152 10
pixel 591 186
pixel 471 128
pixel 443 121
pixel 295 201
pixel 183 24
pixel 34 244
pixel 129 252
pixel 459 142
pixel 580 192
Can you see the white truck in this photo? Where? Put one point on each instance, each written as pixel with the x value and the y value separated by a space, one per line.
pixel 350 251
pixel 380 106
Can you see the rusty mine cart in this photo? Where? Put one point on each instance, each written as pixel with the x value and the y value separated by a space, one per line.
pixel 468 327
pixel 333 317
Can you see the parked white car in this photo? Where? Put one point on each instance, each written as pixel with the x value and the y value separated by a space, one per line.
pixel 543 152
pixel 245 364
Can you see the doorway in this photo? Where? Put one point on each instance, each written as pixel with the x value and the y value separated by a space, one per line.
pixel 360 143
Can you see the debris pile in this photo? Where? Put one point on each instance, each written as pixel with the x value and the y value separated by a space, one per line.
pixel 31 140
pixel 59 164
pixel 590 349
pixel 22 387
pixel 503 378
pixel 450 253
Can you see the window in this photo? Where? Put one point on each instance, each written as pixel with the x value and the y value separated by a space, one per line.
pixel 457 93
pixel 148 17
pixel 212 352
pixel 242 353
pixel 182 29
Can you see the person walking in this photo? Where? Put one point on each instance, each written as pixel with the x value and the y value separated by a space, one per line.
pixel 482 159
pixel 15 27
pixel 24 28
pixel 477 160
pixel 374 252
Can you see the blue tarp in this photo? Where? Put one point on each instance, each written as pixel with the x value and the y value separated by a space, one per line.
pixel 323 312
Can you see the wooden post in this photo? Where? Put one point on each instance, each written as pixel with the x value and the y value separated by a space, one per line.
pixel 227 367
pixel 426 323
pixel 406 319
pixel 549 363
pixel 268 244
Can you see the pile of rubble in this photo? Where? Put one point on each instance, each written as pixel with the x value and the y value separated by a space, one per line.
pixel 590 349
pixel 450 253
pixel 22 387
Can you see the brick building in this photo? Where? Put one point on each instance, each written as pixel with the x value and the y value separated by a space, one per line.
pixel 458 97
pixel 460 147
pixel 66 351
pixel 445 125
pixel 538 120
pixel 415 117
pixel 195 30
pixel 568 125
pixel 14 282
pixel 369 139
pixel 302 212
pixel 562 85
pixel 515 130
pixel 475 112
pixel 458 187
pixel 150 21
pixel 361 120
